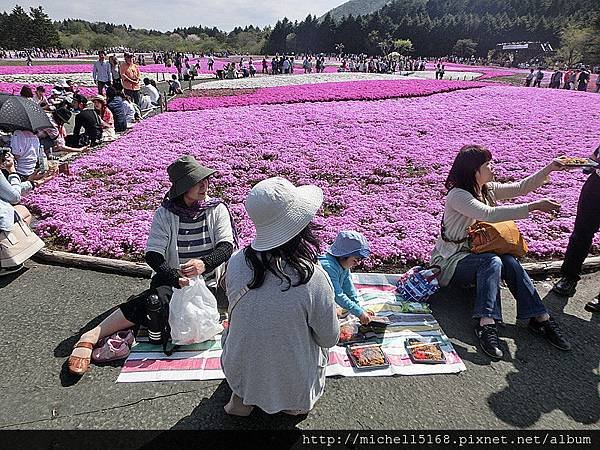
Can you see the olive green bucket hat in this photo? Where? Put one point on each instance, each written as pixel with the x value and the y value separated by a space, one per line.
pixel 185 173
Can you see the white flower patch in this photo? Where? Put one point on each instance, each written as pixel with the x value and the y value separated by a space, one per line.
pixel 261 81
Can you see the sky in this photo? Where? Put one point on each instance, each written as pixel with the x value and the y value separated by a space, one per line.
pixel 165 15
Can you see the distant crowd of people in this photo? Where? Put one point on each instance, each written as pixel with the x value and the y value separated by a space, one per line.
pixel 568 78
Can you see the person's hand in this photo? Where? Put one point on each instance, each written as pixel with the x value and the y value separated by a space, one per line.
pixel 184 282
pixel 9 162
pixel 192 268
pixel 545 205
pixel 365 318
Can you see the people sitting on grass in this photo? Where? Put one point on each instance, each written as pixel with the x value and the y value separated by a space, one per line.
pixel 106 118
pixel 349 248
pixel 88 120
pixel 132 111
pixel 473 196
pixel 151 91
pixel 191 235
pixel 12 187
pixel 174 86
pixel 277 279
pixel 25 147
pixel 26 92
pixel 587 224
pixel 114 103
pixel 59 141
pixel 40 97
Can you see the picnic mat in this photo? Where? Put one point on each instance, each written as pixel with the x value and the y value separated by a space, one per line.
pixel 408 320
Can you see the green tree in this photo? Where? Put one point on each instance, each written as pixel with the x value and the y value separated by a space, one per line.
pixel 43 32
pixel 575 44
pixel 465 48
pixel 403 46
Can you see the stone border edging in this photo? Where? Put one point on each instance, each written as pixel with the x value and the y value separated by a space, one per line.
pixel 144 271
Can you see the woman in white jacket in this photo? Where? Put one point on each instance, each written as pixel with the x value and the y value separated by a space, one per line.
pixel 472 196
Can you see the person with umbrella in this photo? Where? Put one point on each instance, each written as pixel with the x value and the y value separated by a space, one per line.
pixel 24 118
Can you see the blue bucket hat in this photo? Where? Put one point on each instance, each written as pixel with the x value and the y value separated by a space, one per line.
pixel 350 243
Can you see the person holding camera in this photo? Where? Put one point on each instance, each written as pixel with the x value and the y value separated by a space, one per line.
pixel 191 235
pixel 11 189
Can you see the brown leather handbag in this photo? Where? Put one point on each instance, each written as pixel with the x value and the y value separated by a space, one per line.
pixel 502 238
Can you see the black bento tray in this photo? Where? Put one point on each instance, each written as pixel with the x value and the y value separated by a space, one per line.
pixel 355 363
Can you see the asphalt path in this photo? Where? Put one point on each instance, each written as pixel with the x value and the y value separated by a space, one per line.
pixel 45 308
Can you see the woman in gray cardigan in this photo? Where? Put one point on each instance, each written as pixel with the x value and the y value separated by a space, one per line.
pixel 472 196
pixel 282 316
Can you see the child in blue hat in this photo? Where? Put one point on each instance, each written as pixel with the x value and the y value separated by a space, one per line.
pixel 349 248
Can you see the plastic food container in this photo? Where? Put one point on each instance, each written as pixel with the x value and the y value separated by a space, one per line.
pixel 424 351
pixel 367 357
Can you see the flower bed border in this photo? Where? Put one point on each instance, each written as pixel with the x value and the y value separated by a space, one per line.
pixel 142 270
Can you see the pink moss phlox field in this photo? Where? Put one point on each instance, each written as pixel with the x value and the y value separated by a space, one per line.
pixel 15 88
pixel 323 92
pixel 381 165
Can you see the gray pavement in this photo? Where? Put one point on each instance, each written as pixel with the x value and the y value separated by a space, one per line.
pixel 45 308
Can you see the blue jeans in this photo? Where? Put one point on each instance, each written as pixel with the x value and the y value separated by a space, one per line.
pixel 486 270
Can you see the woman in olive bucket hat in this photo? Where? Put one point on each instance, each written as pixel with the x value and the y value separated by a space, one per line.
pixel 282 316
pixel 191 234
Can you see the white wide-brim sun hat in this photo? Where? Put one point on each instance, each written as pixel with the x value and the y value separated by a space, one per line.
pixel 280 211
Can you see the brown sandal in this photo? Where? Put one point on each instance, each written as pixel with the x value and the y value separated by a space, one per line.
pixel 77 364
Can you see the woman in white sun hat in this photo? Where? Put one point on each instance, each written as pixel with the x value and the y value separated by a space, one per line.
pixel 282 315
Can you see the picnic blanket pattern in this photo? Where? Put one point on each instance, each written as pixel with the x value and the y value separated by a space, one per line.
pixel 408 320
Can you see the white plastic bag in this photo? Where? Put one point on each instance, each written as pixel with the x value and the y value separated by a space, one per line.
pixel 193 314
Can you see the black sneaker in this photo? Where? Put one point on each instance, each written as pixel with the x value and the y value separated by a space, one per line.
pixel 565 287
pixel 9 270
pixel 593 306
pixel 550 330
pixel 488 340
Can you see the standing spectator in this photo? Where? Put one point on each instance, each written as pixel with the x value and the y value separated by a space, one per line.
pixel 587 224
pixel 584 79
pixel 102 72
pixel 114 72
pixel 115 104
pixel 210 62
pixel 556 79
pixel 539 76
pixel 178 65
pixel 130 78
pixel 265 65
pixel 598 83
pixel 151 91
pixel 572 79
pixel 529 78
